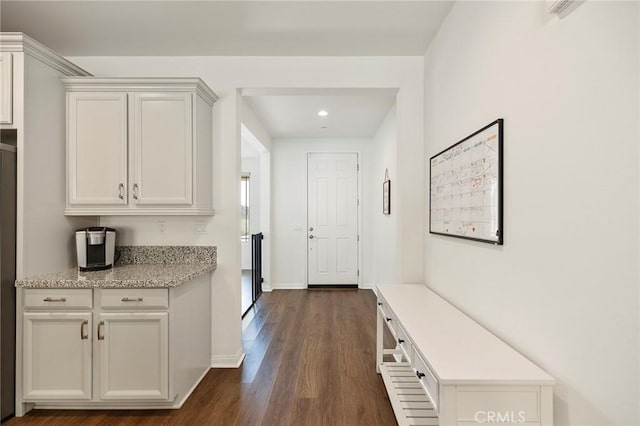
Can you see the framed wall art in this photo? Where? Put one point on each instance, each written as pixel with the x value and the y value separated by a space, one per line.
pixel 386 194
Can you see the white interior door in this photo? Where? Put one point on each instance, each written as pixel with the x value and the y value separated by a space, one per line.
pixel 332 223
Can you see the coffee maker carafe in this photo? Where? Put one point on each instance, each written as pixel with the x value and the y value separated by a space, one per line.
pixel 95 248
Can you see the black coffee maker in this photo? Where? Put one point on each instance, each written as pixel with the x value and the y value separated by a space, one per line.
pixel 95 248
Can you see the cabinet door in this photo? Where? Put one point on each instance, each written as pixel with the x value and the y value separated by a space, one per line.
pixel 57 355
pixel 134 355
pixel 97 148
pixel 6 88
pixel 162 148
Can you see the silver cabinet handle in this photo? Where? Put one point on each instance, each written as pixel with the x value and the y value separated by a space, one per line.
pixel 135 191
pixel 101 330
pixel 84 335
pixel 311 237
pixel 53 299
pixel 121 191
pixel 131 299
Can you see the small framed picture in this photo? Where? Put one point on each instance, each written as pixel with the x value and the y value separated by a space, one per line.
pixel 386 197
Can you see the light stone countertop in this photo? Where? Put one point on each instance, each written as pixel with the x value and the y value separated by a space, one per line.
pixel 125 276
pixel 138 267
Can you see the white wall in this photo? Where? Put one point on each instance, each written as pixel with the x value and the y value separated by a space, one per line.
pixel 564 287
pixel 45 237
pixel 289 206
pixel 385 267
pixel 255 126
pixel 226 75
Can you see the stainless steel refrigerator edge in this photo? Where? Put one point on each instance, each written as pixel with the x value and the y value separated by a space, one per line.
pixel 8 276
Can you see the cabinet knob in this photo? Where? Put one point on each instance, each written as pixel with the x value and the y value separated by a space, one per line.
pixel 379 303
pixel 419 374
pixel 388 319
pixel 401 341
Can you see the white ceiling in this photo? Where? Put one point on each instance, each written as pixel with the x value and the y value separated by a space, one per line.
pixel 355 113
pixel 238 28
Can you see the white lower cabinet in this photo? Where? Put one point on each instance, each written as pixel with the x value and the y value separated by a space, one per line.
pixel 133 353
pixel 57 355
pixel 125 352
pixel 112 348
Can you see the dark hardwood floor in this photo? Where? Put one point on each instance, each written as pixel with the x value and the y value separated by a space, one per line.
pixel 310 361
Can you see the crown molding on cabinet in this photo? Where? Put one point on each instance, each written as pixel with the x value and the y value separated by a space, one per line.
pixel 20 42
pixel 141 84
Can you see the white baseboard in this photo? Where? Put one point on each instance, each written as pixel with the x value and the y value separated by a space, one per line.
pixel 288 286
pixel 190 391
pixel 224 361
pixel 266 288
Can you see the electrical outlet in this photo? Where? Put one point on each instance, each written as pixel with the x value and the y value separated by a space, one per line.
pixel 201 228
pixel 162 226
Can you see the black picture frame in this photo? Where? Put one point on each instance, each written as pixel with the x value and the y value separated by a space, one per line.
pixel 386 197
pixel 495 197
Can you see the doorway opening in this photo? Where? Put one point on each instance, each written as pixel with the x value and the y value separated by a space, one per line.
pixel 254 202
pixel 302 123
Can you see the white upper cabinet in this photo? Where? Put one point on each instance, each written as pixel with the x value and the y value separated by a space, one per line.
pixel 97 148
pixel 6 88
pixel 162 149
pixel 139 146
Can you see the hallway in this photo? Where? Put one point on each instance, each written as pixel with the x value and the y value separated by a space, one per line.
pixel 310 361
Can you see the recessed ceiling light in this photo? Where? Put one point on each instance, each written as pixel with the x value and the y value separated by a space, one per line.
pixel 323 113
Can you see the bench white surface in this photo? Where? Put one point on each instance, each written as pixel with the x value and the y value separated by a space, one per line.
pixel 470 375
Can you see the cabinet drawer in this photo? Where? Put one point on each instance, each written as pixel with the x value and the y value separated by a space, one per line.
pixel 387 316
pixel 404 343
pixel 38 298
pixel 391 322
pixel 134 298
pixel 382 307
pixel 427 379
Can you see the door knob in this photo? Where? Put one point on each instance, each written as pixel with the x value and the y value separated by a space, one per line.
pixel 311 237
pixel 311 229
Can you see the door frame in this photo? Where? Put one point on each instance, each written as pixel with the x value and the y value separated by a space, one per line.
pixel 358 216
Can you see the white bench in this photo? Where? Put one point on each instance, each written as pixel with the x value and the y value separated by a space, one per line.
pixel 449 370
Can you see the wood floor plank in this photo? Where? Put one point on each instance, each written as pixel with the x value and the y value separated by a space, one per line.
pixel 310 361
